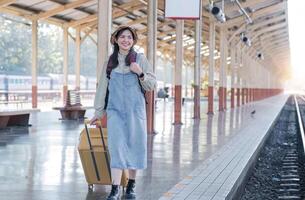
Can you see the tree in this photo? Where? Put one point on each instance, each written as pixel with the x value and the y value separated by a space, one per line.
pixel 16 47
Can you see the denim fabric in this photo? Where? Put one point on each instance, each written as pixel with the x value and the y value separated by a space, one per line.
pixel 126 122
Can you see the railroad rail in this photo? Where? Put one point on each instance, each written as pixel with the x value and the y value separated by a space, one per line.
pixel 300 120
pixel 290 184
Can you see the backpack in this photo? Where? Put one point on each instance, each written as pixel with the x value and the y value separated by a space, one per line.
pixel 134 58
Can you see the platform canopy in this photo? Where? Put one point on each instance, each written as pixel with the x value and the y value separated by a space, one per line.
pixel 268 32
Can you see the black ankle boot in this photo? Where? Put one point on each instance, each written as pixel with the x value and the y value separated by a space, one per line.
pixel 130 190
pixel 114 194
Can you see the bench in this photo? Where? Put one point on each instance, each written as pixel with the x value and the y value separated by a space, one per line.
pixel 15 117
pixel 73 109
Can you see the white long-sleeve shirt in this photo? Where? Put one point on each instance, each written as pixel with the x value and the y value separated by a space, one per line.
pixel 148 83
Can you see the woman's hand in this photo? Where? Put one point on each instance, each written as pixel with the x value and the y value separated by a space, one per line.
pixel 94 120
pixel 135 68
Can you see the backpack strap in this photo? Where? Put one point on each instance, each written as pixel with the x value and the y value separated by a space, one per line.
pixel 108 72
pixel 106 97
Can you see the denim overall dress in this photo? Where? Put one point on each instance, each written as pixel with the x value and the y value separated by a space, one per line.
pixel 126 122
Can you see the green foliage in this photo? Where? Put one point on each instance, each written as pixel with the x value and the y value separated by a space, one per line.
pixel 50 55
pixel 15 49
pixel 15 43
pixel 88 58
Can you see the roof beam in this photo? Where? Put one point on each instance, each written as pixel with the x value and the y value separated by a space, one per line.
pixel 60 9
pixel 261 12
pixel 137 21
pixel 262 47
pixel 4 3
pixel 256 25
pixel 162 24
pixel 271 38
pixel 93 18
pixel 88 24
pixel 274 34
pixel 125 7
pixel 28 15
pixel 267 29
pixel 276 51
pixel 121 13
pixel 115 14
pixel 87 19
pixel 273 49
pixel 232 6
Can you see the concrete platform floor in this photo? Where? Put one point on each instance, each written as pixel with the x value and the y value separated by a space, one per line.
pixel 41 162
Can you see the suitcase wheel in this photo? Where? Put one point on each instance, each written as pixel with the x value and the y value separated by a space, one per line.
pixel 90 187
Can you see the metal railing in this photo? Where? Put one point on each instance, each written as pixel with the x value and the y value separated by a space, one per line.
pixel 300 121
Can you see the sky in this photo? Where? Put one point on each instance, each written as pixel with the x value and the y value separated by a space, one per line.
pixel 296 20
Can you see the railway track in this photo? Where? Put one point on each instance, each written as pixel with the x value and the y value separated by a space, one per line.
pixel 292 171
pixel 279 172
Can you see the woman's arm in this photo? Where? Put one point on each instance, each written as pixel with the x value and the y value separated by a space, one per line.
pixel 99 100
pixel 149 81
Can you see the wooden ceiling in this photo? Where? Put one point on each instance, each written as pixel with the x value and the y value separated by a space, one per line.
pixel 268 32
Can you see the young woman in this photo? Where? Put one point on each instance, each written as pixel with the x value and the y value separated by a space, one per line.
pixel 120 94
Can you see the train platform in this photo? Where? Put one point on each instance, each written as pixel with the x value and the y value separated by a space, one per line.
pixel 203 159
pixel 221 175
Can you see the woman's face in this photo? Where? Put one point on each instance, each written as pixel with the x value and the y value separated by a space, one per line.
pixel 125 40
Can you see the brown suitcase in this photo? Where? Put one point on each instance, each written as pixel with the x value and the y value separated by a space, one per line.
pixel 94 155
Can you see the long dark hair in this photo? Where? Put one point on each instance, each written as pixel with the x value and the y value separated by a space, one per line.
pixel 131 56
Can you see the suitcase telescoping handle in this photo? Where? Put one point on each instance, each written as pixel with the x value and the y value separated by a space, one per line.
pixel 106 151
pixel 92 153
pixel 99 124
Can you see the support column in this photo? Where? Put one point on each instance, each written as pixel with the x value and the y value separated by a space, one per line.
pixel 178 70
pixel 225 73
pixel 34 63
pixel 77 58
pixel 238 75
pixel 263 83
pixel 211 68
pixel 250 79
pixel 247 94
pixel 185 79
pixel 65 65
pixel 268 84
pixel 197 69
pixel 243 92
pixel 243 75
pixel 104 34
pixel 258 93
pixel 246 66
pixel 103 38
pixel 238 91
pixel 223 62
pixel 255 82
pixel 151 56
pixel 173 81
pixel 233 74
pixel 166 77
pixel 250 94
pixel 232 96
pixel 252 66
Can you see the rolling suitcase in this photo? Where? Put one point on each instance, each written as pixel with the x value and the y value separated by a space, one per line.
pixel 94 155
